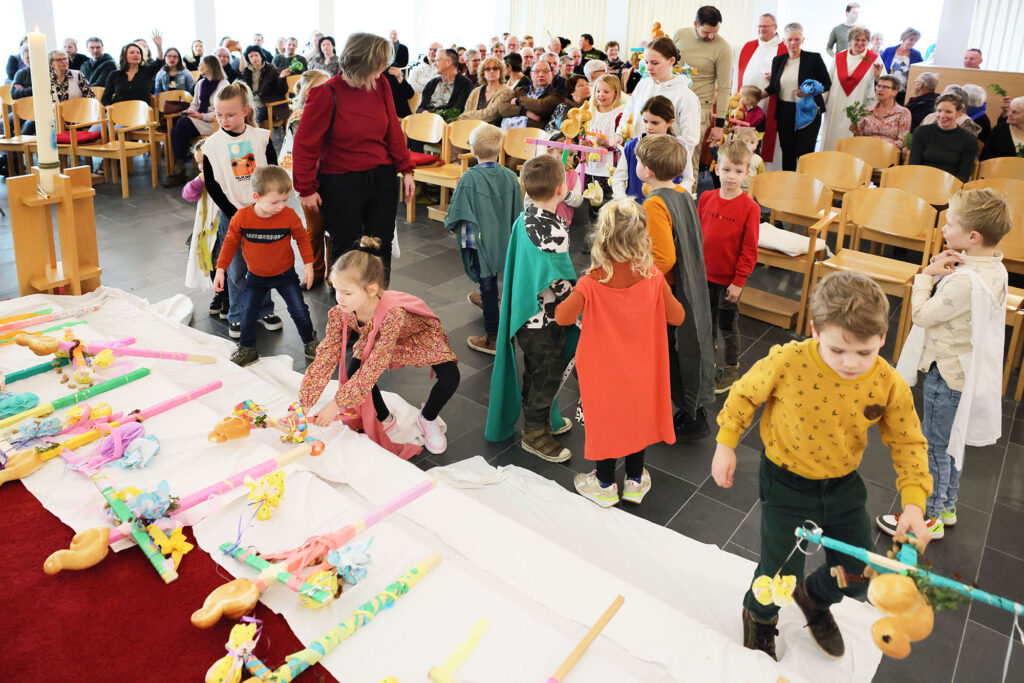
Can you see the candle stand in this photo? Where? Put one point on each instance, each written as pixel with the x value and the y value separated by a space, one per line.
pixel 35 254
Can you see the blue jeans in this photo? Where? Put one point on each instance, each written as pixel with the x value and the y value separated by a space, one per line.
pixel 236 279
pixel 488 292
pixel 287 285
pixel 940 404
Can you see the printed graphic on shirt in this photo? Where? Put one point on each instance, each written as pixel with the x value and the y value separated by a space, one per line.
pixel 266 236
pixel 548 233
pixel 243 160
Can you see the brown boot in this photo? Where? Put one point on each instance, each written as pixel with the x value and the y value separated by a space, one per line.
pixel 759 635
pixel 177 176
pixel 484 344
pixel 537 439
pixel 823 627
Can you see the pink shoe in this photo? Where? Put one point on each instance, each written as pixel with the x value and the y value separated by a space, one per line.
pixel 389 423
pixel 433 438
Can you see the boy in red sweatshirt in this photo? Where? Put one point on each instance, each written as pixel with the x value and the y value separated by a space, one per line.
pixel 265 230
pixel 730 221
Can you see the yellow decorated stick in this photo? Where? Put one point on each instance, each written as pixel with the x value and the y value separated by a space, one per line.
pixel 446 672
pixel 587 641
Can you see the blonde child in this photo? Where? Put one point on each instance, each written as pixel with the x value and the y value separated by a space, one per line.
pixel 622 356
pixel 656 118
pixel 314 222
pixel 752 114
pixel 606 103
pixel 820 398
pixel 265 231
pixel 230 156
pixel 957 341
pixel 677 246
pixel 486 203
pixel 395 329
pixel 750 138
pixel 730 222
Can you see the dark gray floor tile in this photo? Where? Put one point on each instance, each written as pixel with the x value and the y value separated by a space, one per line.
pixel 662 502
pixel 1000 575
pixel 436 269
pixel 979 479
pixel 983 655
pixel 473 443
pixel 1011 483
pixel 742 552
pixel 707 520
pixel 744 489
pixel 931 659
pixel 690 464
pixel 1006 533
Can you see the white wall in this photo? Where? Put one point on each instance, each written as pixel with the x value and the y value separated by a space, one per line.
pixel 890 17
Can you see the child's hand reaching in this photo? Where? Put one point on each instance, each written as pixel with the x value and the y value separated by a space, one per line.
pixel 943 264
pixel 326 416
pixel 912 521
pixel 307 275
pixel 218 281
pixel 732 293
pixel 724 465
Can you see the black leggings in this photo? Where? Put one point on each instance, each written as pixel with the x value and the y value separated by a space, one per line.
pixel 360 203
pixel 634 467
pixel 447 382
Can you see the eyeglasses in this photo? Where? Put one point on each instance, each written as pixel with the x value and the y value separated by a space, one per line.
pixel 491 68
pixel 883 86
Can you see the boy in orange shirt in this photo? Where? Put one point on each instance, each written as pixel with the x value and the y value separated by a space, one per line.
pixel 678 249
pixel 265 230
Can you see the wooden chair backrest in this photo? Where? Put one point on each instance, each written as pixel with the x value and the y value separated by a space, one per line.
pixel 458 132
pixel 1012 245
pixel 414 102
pixel 515 145
pixel 878 153
pixel 1011 188
pixel 933 185
pixel 839 170
pixel 424 127
pixel 171 96
pixel 97 90
pixel 1002 167
pixel 5 94
pixel 23 110
pixel 129 113
pixel 791 192
pixel 887 209
pixel 293 81
pixel 80 110
pixel 195 74
pixel 5 104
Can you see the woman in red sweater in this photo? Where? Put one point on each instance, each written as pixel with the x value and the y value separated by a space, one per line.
pixel 349 148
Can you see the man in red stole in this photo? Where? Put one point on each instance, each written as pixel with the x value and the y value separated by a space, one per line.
pixel 755 65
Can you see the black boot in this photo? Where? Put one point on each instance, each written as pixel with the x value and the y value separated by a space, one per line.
pixel 823 627
pixel 759 635
pixel 691 428
pixel 177 176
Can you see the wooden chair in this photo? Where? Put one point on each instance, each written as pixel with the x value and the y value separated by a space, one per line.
pixel 414 102
pixel 23 112
pixel 514 147
pixel 428 128
pixel 97 90
pixel 793 198
pixel 447 175
pixel 841 172
pixel 278 111
pixel 878 153
pixel 879 212
pixel 135 117
pixel 1015 320
pixel 910 222
pixel 13 142
pixel 1011 188
pixel 77 116
pixel 195 74
pixel 165 122
pixel 1002 167
pixel 933 185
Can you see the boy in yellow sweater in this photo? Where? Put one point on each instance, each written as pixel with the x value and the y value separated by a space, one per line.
pixel 820 397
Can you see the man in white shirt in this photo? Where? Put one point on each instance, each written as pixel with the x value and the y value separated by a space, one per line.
pixel 426 70
pixel 754 68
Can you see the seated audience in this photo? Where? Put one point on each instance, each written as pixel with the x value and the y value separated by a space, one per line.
pixel 224 57
pixel 976 109
pixel 133 79
pixel 174 75
pixel 972 58
pixel 579 91
pixel 197 120
pixel 192 62
pixel 588 49
pixel 888 120
pixel 100 64
pixel 67 84
pixel 264 81
pixel 963 120
pixel 16 62
pixel 487 99
pixel 448 90
pixel 615 65
pixel 426 70
pixel 923 102
pixel 75 58
pixel 401 91
pixel 290 62
pixel 515 77
pixel 532 107
pixel 944 144
pixel 594 69
pixel 326 59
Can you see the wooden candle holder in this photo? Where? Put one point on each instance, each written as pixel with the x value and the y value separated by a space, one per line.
pixel 35 255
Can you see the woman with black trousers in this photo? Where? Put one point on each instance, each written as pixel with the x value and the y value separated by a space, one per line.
pixel 788 72
pixel 349 148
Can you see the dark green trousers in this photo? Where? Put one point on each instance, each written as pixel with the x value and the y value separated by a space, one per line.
pixel 836 505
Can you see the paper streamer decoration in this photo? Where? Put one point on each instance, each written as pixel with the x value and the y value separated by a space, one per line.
pixel 446 672
pixel 322 646
pixel 587 641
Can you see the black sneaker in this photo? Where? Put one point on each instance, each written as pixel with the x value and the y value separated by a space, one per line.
pixel 310 348
pixel 217 305
pixel 758 635
pixel 244 355
pixel 234 330
pixel 271 322
pixel 691 428
pixel 823 627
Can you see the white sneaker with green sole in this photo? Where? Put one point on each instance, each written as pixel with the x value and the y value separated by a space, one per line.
pixel 589 486
pixel 634 491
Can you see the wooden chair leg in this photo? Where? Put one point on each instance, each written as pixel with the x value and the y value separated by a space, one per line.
pixel 815 275
pixel 125 169
pixel 903 328
pixel 154 162
pixel 410 206
pixel 1014 352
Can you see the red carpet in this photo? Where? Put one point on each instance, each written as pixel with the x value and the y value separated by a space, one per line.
pixel 115 622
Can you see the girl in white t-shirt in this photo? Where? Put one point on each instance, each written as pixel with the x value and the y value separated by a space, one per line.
pixel 606 103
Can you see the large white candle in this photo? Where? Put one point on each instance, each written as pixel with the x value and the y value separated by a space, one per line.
pixel 42 104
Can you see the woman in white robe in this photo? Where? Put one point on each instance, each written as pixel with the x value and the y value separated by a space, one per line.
pixel 853 77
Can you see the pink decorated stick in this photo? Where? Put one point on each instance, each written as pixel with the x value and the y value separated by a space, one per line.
pixel 121 347
pixel 39 320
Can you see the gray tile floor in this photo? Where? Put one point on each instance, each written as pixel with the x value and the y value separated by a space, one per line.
pixel 142 250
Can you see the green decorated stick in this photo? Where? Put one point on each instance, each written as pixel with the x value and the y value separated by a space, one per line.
pixel 36 370
pixel 284 576
pixel 76 397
